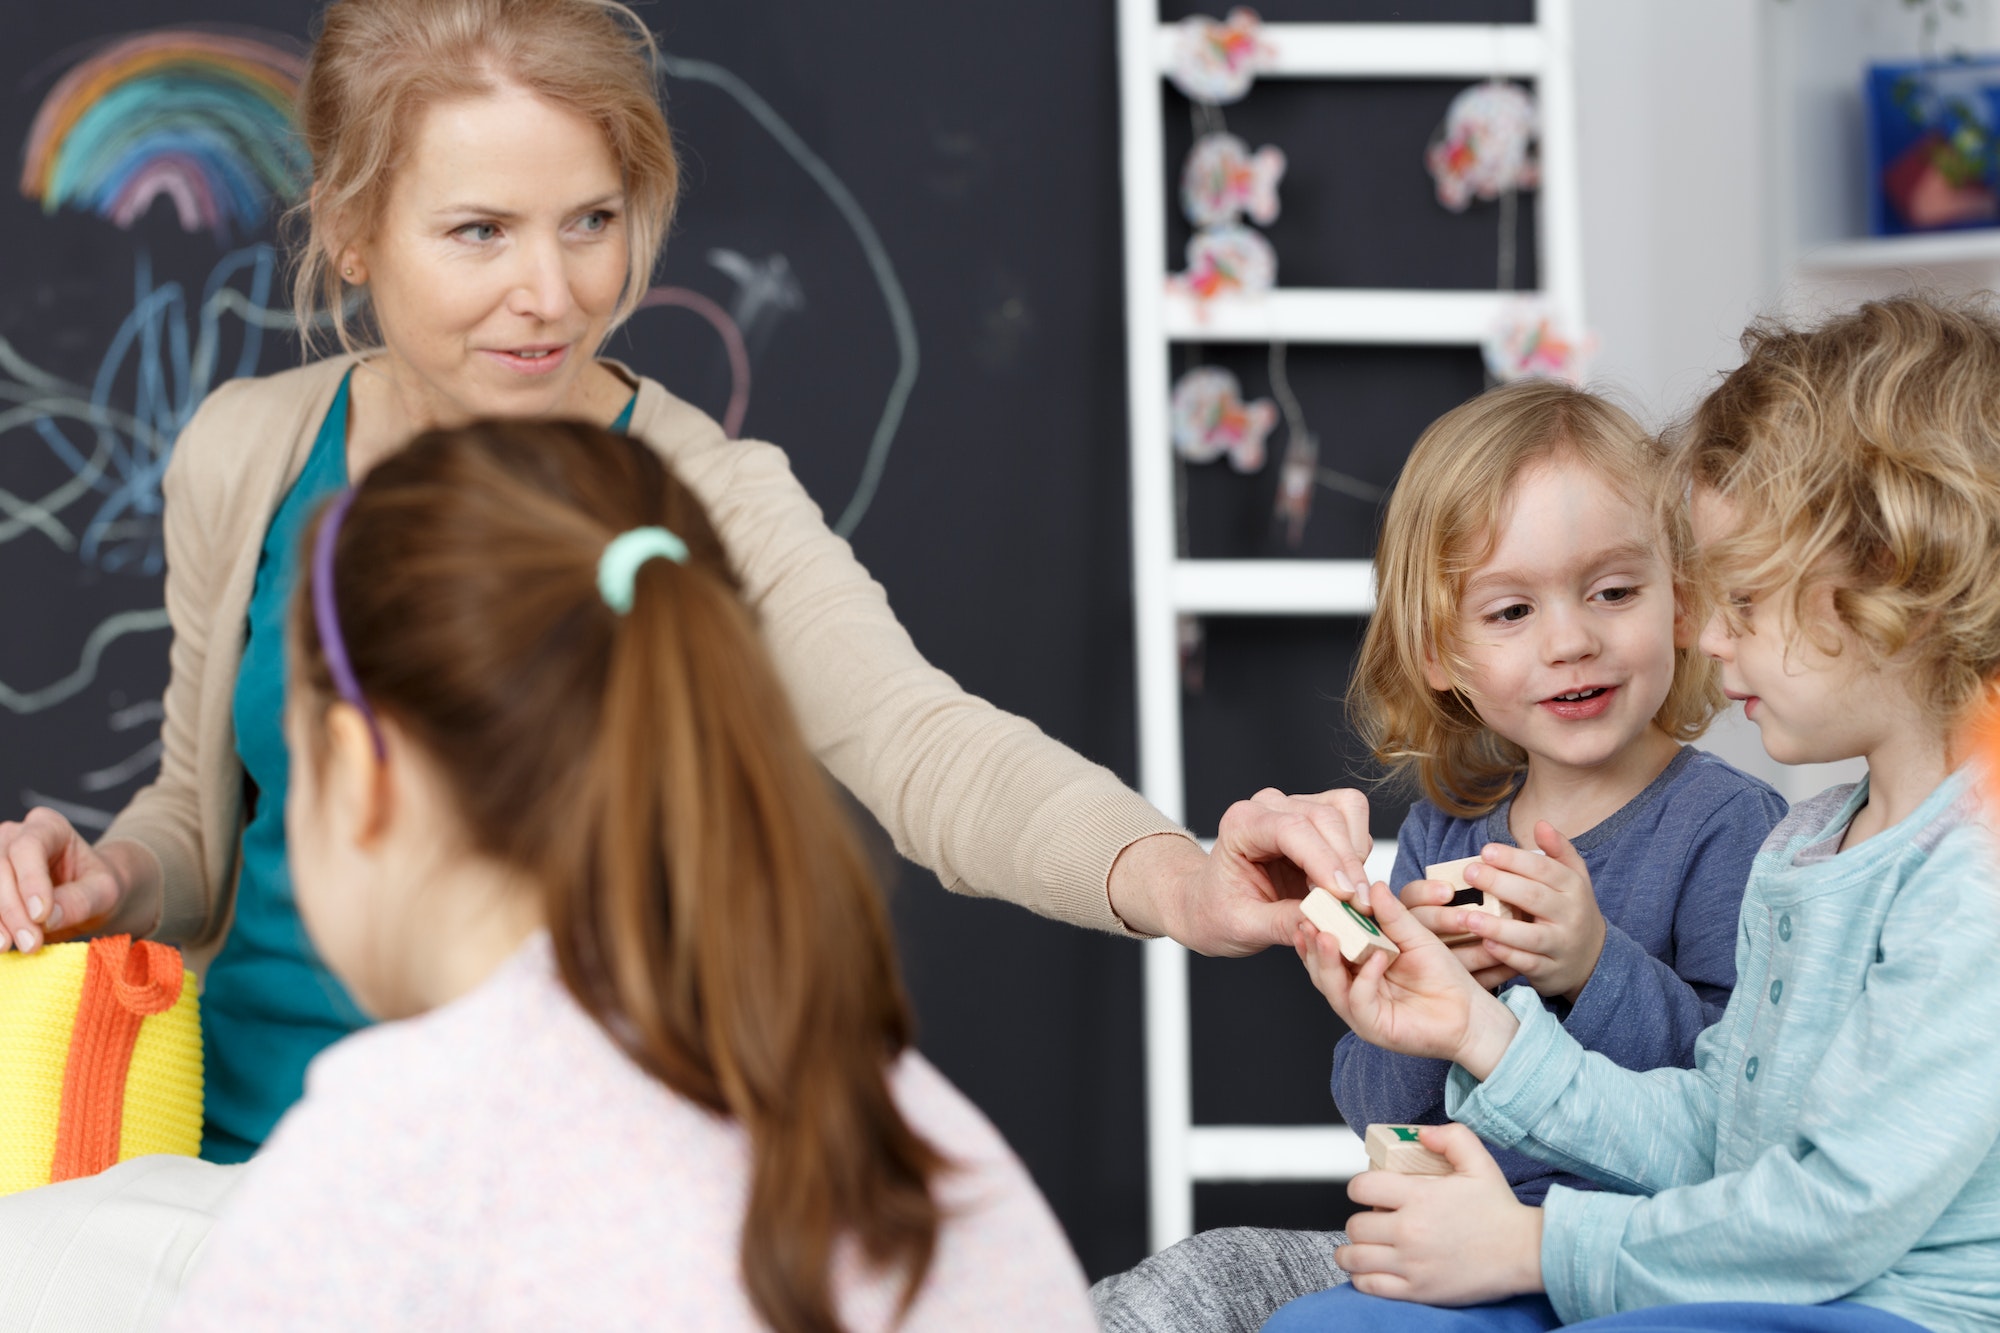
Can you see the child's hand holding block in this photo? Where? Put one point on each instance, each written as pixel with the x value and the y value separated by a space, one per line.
pixel 1360 938
pixel 1453 873
pixel 1396 1148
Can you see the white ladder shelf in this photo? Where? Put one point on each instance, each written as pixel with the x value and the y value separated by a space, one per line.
pixel 1166 587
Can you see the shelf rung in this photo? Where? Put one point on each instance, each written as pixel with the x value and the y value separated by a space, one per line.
pixel 1275 1152
pixel 1393 50
pixel 1273 587
pixel 1363 315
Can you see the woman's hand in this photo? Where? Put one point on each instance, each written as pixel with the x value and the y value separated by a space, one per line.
pixel 1558 949
pixel 1426 899
pixel 1420 1003
pixel 1461 1239
pixel 1243 896
pixel 51 880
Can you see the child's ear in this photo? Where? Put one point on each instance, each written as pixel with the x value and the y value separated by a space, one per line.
pixel 1435 675
pixel 358 790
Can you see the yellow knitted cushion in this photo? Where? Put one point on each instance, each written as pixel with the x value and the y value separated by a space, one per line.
pixel 100 1059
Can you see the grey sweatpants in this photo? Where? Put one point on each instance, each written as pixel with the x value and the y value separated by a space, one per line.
pixel 1229 1280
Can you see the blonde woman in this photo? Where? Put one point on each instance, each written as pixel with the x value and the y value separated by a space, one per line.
pixel 493 179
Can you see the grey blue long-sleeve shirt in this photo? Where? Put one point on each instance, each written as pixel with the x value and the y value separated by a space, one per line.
pixel 1839 1135
pixel 1668 869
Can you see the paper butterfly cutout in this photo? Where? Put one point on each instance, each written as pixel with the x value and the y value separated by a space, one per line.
pixel 1482 148
pixel 1217 62
pixel 1223 180
pixel 1530 341
pixel 1228 259
pixel 1211 419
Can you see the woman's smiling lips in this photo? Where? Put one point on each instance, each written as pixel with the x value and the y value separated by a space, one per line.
pixel 1580 704
pixel 534 359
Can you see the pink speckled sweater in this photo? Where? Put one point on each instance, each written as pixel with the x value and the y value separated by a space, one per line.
pixel 499 1164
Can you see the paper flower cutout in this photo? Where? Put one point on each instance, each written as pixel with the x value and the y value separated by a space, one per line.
pixel 1228 259
pixel 1224 180
pixel 1211 419
pixel 1217 62
pixel 1482 149
pixel 1530 341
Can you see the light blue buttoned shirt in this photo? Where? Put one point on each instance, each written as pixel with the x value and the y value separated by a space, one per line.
pixel 1839 1135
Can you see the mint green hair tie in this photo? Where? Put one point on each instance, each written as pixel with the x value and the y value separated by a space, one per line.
pixel 619 565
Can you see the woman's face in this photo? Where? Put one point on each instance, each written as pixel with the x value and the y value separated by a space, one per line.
pixel 498 259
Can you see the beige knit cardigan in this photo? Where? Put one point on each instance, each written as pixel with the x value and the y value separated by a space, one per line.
pixel 982 798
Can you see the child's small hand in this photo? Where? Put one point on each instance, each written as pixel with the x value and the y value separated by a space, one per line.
pixel 1558 949
pixel 1426 898
pixel 1461 1239
pixel 1422 1003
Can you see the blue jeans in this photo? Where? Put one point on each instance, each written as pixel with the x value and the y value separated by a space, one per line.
pixel 1345 1310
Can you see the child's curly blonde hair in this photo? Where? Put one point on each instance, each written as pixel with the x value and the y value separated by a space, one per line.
pixel 1862 456
pixel 1442 524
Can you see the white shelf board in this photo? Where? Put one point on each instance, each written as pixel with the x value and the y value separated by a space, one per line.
pixel 1392 50
pixel 1878 254
pixel 1360 315
pixel 1275 1152
pixel 1273 587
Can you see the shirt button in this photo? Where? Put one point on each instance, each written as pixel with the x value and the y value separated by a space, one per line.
pixel 1785 926
pixel 1777 989
pixel 1750 1070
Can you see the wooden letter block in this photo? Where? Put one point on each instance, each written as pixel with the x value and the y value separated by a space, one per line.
pixel 1395 1148
pixel 1360 938
pixel 1453 873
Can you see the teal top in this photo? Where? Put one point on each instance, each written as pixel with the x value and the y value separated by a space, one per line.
pixel 1839 1135
pixel 269 1005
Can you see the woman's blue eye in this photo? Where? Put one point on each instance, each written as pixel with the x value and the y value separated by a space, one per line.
pixel 478 231
pixel 594 222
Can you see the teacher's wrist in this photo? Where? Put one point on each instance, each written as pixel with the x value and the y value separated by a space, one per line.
pixel 1149 883
pixel 141 887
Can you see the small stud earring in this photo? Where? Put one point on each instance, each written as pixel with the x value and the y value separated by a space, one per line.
pixel 348 273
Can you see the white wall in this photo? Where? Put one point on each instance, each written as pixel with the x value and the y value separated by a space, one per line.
pixel 1685 236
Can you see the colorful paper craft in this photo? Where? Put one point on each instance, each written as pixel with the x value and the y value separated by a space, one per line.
pixel 1210 419
pixel 1226 260
pixel 1530 340
pixel 1483 148
pixel 1217 62
pixel 1224 180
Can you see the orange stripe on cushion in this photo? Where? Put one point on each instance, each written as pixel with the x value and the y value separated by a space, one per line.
pixel 123 983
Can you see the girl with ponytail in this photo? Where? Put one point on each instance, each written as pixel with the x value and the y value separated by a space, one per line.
pixel 548 805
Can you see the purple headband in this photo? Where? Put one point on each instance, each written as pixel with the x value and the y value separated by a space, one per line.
pixel 327 619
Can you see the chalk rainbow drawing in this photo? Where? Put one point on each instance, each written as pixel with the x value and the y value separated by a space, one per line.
pixel 203 118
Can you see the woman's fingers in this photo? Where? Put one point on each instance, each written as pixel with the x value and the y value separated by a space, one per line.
pixel 90 897
pixel 1325 835
pixel 27 891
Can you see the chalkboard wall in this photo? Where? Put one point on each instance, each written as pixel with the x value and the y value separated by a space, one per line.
pixel 911 210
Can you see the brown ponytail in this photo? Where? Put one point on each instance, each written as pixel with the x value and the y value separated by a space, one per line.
pixel 708 901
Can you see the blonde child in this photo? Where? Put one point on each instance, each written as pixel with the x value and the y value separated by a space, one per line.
pixel 1531 670
pixel 549 806
pixel 1523 559
pixel 1832 1161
